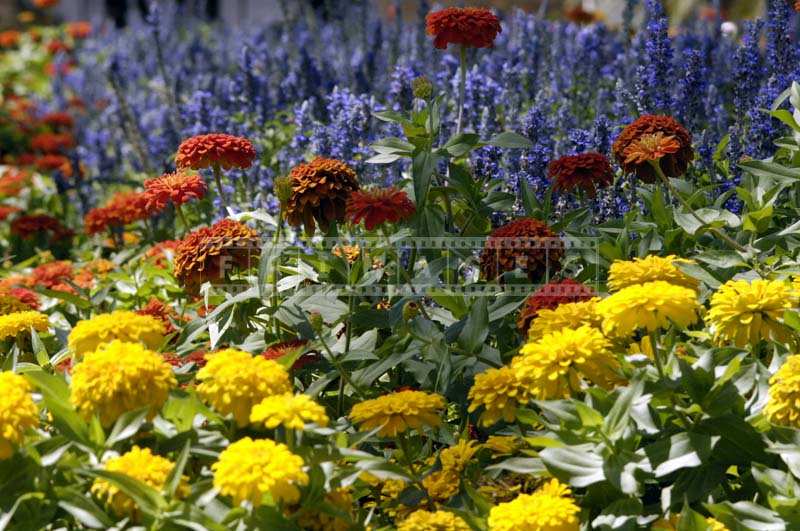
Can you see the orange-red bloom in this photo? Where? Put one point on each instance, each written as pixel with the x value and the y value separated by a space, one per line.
pixel 207 254
pixel 474 27
pixel 650 148
pixel 44 4
pixel 215 149
pixel 52 142
pixel 162 251
pixel 123 208
pixel 80 29
pixel 279 350
pixel 587 171
pixel 56 46
pixel 25 296
pixel 673 164
pixel 51 275
pixel 58 120
pixel 549 297
pixel 320 189
pixel 28 226
pixel 12 182
pixel 162 312
pixel 179 188
pixel 527 244
pixel 52 162
pixel 6 210
pixel 9 38
pixel 377 206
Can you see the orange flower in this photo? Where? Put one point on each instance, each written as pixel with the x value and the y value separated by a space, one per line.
pixel 526 243
pixel 162 312
pixel 56 46
pixel 12 182
pixel 51 275
pixel 177 187
pixel 58 120
pixel 159 251
pixel 6 210
pixel 204 151
pixel 197 357
pixel 549 297
pixel 587 171
pixel 44 4
pixel 320 190
pixel 474 27
pixel 52 162
pixel 80 29
pixel 25 296
pixel 9 38
pixel 673 164
pixel 279 350
pixel 377 206
pixel 205 254
pixel 123 208
pixel 29 225
pixel 52 142
pixel 650 148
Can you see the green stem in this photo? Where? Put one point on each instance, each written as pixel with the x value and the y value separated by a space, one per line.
pixel 181 215
pixel 653 337
pixel 462 83
pixel 218 180
pixel 276 273
pixel 343 377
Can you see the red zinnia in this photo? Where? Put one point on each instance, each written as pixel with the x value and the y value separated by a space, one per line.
pixel 25 296
pixel 474 27
pixel 51 275
pixel 52 162
pixel 6 211
pixel 56 46
pixel 226 151
pixel 58 120
pixel 44 4
pixel 377 206
pixel 320 189
pixel 279 350
pixel 9 38
pixel 673 164
pixel 80 29
pixel 176 187
pixel 12 182
pixel 528 244
pixel 549 297
pixel 52 142
pixel 28 226
pixel 197 357
pixel 587 171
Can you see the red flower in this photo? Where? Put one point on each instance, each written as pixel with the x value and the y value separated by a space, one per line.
pixel 198 358
pixel 527 244
pixel 474 27
pixel 549 297
pixel 320 189
pixel 123 208
pixel 162 312
pixel 52 142
pixel 58 120
pixel 279 350
pixel 57 46
pixel 587 171
pixel 80 29
pixel 673 164
pixel 176 187
pixel 9 38
pixel 377 206
pixel 51 275
pixel 6 211
pixel 159 252
pixel 53 162
pixel 25 296
pixel 44 4
pixel 28 226
pixel 12 182
pixel 204 151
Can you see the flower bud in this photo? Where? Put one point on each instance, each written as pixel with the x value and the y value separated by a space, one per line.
pixel 410 310
pixel 422 88
pixel 282 187
pixel 315 319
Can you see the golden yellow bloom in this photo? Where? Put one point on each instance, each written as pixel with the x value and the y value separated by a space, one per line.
pixel 248 469
pixel 142 465
pixel 390 491
pixel 556 365
pixel 342 500
pixel 396 412
pixel 349 252
pixel 120 377
pixel 551 508
pixel 18 412
pixel 568 315
pixel 442 484
pixel 716 525
pixel 499 392
pixel 121 324
pixel 745 312
pixel 783 405
pixel 14 323
pixel 234 381
pixel 433 521
pixel 624 273
pixel 502 444
pixel 456 457
pixel 650 306
pixel 287 410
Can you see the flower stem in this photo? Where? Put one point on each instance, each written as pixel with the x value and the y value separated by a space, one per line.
pixel 181 215
pixel 218 180
pixel 276 238
pixel 462 83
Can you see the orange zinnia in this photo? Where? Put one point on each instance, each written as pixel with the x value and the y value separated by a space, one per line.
pixel 178 188
pixel 673 156
pixel 215 149
pixel 320 190
pixel 527 244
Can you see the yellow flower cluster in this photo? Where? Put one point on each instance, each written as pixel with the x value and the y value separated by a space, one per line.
pixel 499 392
pixel 14 323
pixel 648 306
pixel 120 377
pixel 248 470
pixel 623 274
pixel 18 412
pixel 342 501
pixel 287 410
pixel 397 412
pixel 568 315
pixel 551 508
pixel 745 312
pixel 783 405
pixel 124 325
pixel 444 484
pixel 715 525
pixel 234 381
pixel 433 521
pixel 142 465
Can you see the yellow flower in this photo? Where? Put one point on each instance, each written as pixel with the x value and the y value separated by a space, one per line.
pixel 396 412
pixel 442 484
pixel 9 304
pixel 650 306
pixel 456 457
pixel 122 324
pixel 783 405
pixel 234 381
pixel 120 377
pixel 551 508
pixel 502 444
pixel 289 411
pixel 568 315
pixel 499 392
pixel 622 274
pixel 554 366
pixel 248 469
pixel 716 525
pixel 14 323
pixel 745 312
pixel 142 465
pixel 433 521
pixel 342 500
pixel 18 412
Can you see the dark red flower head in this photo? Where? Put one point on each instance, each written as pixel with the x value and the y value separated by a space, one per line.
pixel 52 162
pixel 527 244
pixel 178 188
pixel 52 142
pixel 320 190
pixel 673 164
pixel 377 206
pixel 474 27
pixel 549 297
pixel 205 151
pixel 58 120
pixel 28 226
pixel 587 171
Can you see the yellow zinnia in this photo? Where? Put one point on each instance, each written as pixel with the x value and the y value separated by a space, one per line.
pixel 783 405
pixel 396 412
pixel 124 325
pixel 234 381
pixel 648 306
pixel 716 525
pixel 624 273
pixel 551 508
pixel 248 469
pixel 498 391
pixel 290 411
pixel 745 312
pixel 568 315
pixel 14 323
pixel 433 521
pixel 555 365
pixel 18 412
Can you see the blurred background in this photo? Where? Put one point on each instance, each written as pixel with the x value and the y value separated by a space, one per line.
pixel 248 12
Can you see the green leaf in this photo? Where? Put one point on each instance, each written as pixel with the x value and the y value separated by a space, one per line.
pixel 422 168
pixel 510 140
pixel 476 328
pixel 461 144
pixel 127 425
pixel 684 450
pixel 773 170
pixel 786 117
pixel 147 498
pixel 577 465
pixel 747 514
pixel 176 474
pixel 617 419
pixel 621 514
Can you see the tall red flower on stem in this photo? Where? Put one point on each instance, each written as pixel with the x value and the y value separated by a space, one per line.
pixel 377 206
pixel 215 149
pixel 474 27
pixel 177 188
pixel 527 244
pixel 674 140
pixel 587 172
